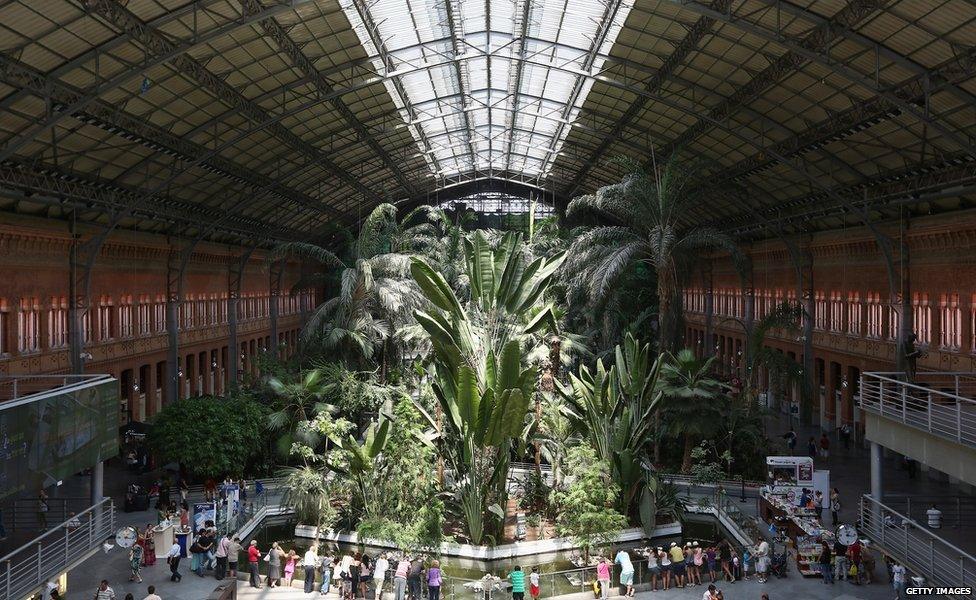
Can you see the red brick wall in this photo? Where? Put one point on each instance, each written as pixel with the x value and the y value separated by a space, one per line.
pixel 35 265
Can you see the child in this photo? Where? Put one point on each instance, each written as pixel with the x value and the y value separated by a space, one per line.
pixel 710 555
pixel 736 567
pixel 534 583
pixel 290 567
pixel 746 563
pixel 517 579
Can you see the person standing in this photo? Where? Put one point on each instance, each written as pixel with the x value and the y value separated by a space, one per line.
pixel 233 553
pixel 790 437
pixel 535 589
pixel 221 555
pixel 934 516
pixel 379 574
pixel 824 446
pixel 898 577
pixel 148 546
pixel 517 579
pixel 762 561
pixel 253 556
pixel 173 560
pixel 291 561
pixel 665 560
pixel 834 505
pixel 400 578
pixel 840 561
pixel 845 436
pixel 677 565
pixel 104 592
pixel 725 555
pixel 135 562
pixel 818 501
pixel 626 571
pixel 825 568
pixel 274 566
pixel 812 448
pixel 854 556
pixel 413 578
pixel 602 577
pixel 309 562
pixel 434 581
pixel 152 594
pixel 42 510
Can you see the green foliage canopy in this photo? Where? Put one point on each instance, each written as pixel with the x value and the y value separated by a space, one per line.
pixel 210 436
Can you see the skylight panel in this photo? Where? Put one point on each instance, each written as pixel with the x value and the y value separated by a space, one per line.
pixel 476 95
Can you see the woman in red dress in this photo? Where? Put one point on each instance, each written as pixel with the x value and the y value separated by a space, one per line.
pixel 148 547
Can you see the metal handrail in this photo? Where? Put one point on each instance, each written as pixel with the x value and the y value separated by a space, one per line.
pixel 943 414
pixel 905 540
pixel 23 387
pixel 30 566
pixel 22 513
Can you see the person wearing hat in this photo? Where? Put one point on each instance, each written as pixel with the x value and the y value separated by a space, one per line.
pixel 654 566
pixel 697 560
pixel 677 565
pixel 665 567
pixel 689 565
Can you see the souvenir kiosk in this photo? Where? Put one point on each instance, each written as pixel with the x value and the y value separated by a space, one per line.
pixel 789 481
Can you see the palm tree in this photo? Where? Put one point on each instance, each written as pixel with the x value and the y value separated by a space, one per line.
pixel 692 407
pixel 296 402
pixel 376 295
pixel 555 434
pixel 639 220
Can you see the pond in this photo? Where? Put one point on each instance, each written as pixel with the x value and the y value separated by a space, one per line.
pixel 558 574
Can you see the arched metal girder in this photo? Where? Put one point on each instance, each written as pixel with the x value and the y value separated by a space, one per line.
pixel 293 51
pixel 222 25
pixel 99 113
pixel 162 47
pixel 236 270
pixel 688 44
pixel 276 272
pixel 815 47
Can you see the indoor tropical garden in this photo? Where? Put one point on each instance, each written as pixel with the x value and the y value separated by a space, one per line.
pixel 462 386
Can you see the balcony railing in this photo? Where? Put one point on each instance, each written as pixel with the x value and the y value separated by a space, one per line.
pixel 15 387
pixel 933 403
pixel 923 552
pixel 32 565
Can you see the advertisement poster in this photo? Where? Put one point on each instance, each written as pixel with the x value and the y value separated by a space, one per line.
pixel 202 513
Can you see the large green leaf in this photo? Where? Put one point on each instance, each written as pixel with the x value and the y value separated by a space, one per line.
pixel 434 287
pixel 510 368
pixel 468 397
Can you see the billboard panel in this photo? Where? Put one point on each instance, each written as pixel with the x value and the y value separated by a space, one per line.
pixel 59 433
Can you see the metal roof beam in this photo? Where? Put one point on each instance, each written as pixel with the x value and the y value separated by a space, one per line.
pixel 289 48
pixel 452 26
pixel 384 55
pixel 174 49
pixel 115 120
pixel 515 75
pixel 814 47
pixel 111 198
pixel 612 7
pixel 157 43
pixel 688 44
pixel 953 176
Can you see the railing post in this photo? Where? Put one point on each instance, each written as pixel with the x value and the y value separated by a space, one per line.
pixel 8 579
pixel 956 377
pixel 931 557
pixel 67 546
pixel 958 513
pixel 909 507
pixel 904 404
pixel 962 571
pixel 928 408
pixel 881 396
pixel 40 574
pixel 958 420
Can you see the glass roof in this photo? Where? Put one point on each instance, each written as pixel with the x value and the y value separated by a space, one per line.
pixel 489 86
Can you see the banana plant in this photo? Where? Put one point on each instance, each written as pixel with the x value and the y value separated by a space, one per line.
pixel 613 409
pixel 358 458
pixel 481 386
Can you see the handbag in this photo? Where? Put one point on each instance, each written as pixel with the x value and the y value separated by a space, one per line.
pixel 853 571
pixel 267 557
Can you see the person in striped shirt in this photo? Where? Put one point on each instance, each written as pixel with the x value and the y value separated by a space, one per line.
pixel 517 577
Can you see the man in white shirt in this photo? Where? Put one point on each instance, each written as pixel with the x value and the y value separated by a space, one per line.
pixel 379 574
pixel 73 522
pixel 221 554
pixel 762 561
pixel 152 594
pixel 898 576
pixel 935 517
pixel 104 592
pixel 173 558
pixel 310 561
